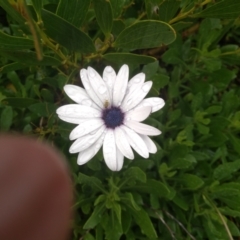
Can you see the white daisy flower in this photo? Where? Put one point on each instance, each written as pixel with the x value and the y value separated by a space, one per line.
pixel 109 112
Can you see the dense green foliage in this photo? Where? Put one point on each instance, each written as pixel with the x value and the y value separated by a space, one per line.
pixel 190 189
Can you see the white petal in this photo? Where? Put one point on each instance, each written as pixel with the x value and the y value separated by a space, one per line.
pixel 90 152
pixel 85 128
pixel 120 86
pixel 136 142
pixel 142 128
pixel 86 141
pixel 110 151
pixel 120 159
pixel 78 111
pixel 73 120
pixel 138 114
pixel 122 143
pixel 79 95
pixel 109 77
pixel 98 85
pixel 88 87
pixel 134 98
pixel 149 143
pixel 155 102
pixel 135 81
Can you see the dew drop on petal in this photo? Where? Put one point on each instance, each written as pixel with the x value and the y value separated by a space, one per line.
pixel 108 69
pixel 129 101
pixel 146 87
pixel 102 89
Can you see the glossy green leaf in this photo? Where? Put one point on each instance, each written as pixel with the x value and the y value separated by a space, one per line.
pixel 6 118
pixel 11 43
pixel 145 34
pixel 67 35
pixel 117 7
pixel 20 102
pixel 168 9
pixel 104 15
pixel 30 58
pixel 143 220
pixel 128 58
pixel 73 12
pixel 223 9
pixel 190 181
pixel 226 169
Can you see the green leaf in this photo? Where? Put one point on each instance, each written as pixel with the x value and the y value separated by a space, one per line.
pixel 88 236
pixel 30 58
pixel 168 9
pixel 92 181
pixel 37 4
pixel 136 173
pixel 180 201
pixel 117 7
pixel 113 228
pixel 6 118
pixel 128 198
pixel 95 217
pixel 126 221
pixel 224 9
pixel 104 15
pixel 67 35
pixel 11 10
pixel 20 102
pixel 145 34
pixel 150 69
pixel 73 12
pixel 11 43
pixel 128 58
pixel 230 190
pixel 12 67
pixel 143 220
pixel 43 109
pixel 153 187
pixel 192 182
pixel 226 170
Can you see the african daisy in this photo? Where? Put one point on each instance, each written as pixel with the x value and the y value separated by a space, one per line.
pixel 108 112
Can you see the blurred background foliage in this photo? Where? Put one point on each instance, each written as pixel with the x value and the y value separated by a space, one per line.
pixel 190 189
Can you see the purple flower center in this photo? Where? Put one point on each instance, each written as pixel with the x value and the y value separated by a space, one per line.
pixel 113 117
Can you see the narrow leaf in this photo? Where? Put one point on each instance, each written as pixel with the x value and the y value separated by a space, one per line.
pixel 104 15
pixel 11 43
pixel 145 34
pixel 143 220
pixel 95 218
